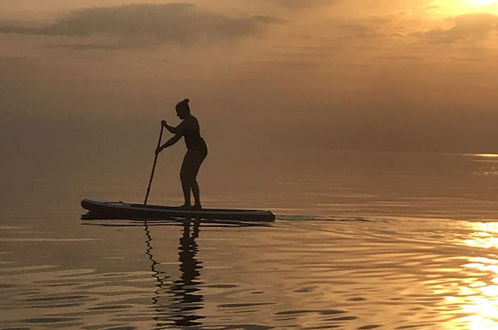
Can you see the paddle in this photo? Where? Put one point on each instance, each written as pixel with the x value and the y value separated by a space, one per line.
pixel 154 166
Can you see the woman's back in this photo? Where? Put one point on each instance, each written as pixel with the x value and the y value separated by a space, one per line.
pixel 192 133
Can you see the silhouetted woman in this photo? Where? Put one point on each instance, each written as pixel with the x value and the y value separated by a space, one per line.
pixel 197 151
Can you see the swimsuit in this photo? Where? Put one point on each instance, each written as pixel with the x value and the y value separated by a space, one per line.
pixel 197 151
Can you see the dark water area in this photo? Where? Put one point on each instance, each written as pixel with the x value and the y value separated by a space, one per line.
pixel 361 241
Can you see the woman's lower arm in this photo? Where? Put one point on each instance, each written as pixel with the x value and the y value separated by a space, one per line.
pixel 171 141
pixel 171 129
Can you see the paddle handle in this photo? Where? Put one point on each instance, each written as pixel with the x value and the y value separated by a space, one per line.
pixel 154 165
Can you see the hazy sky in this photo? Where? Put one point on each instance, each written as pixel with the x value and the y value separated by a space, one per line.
pixel 349 74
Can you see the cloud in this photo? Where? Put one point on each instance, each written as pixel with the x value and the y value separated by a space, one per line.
pixel 409 58
pixel 86 46
pixel 359 31
pixel 177 23
pixel 465 28
pixel 301 3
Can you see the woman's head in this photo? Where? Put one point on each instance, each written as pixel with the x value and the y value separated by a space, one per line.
pixel 182 109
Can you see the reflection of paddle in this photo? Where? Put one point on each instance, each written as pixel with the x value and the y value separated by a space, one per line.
pixel 154 166
pixel 179 311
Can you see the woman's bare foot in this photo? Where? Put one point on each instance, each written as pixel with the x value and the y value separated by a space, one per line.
pixel 197 207
pixel 185 207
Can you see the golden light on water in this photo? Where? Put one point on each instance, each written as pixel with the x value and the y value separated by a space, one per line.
pixel 478 294
pixel 487 155
pixel 485 237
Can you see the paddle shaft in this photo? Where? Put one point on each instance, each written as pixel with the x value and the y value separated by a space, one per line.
pixel 154 165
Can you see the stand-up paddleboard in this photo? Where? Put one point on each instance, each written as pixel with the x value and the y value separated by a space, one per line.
pixel 122 210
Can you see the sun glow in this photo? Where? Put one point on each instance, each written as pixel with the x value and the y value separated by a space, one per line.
pixel 448 8
pixel 482 2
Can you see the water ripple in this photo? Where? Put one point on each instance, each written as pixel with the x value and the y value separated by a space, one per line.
pixel 399 274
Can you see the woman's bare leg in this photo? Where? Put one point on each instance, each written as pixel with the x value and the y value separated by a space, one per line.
pixel 188 174
pixel 196 193
pixel 186 192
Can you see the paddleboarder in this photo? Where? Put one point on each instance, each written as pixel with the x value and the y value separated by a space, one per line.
pixel 196 151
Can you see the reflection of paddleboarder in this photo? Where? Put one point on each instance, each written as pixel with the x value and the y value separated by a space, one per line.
pixel 196 151
pixel 182 311
pixel 186 288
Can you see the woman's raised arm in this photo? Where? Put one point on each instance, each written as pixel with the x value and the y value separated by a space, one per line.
pixel 175 130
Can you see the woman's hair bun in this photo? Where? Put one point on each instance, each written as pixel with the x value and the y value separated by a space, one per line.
pixel 183 104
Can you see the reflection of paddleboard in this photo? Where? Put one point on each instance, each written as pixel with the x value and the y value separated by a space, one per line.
pixel 114 210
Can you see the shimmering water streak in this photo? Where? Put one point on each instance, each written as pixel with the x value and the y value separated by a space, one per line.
pixel 486 155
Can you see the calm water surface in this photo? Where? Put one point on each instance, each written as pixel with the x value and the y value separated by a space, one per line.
pixel 361 241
